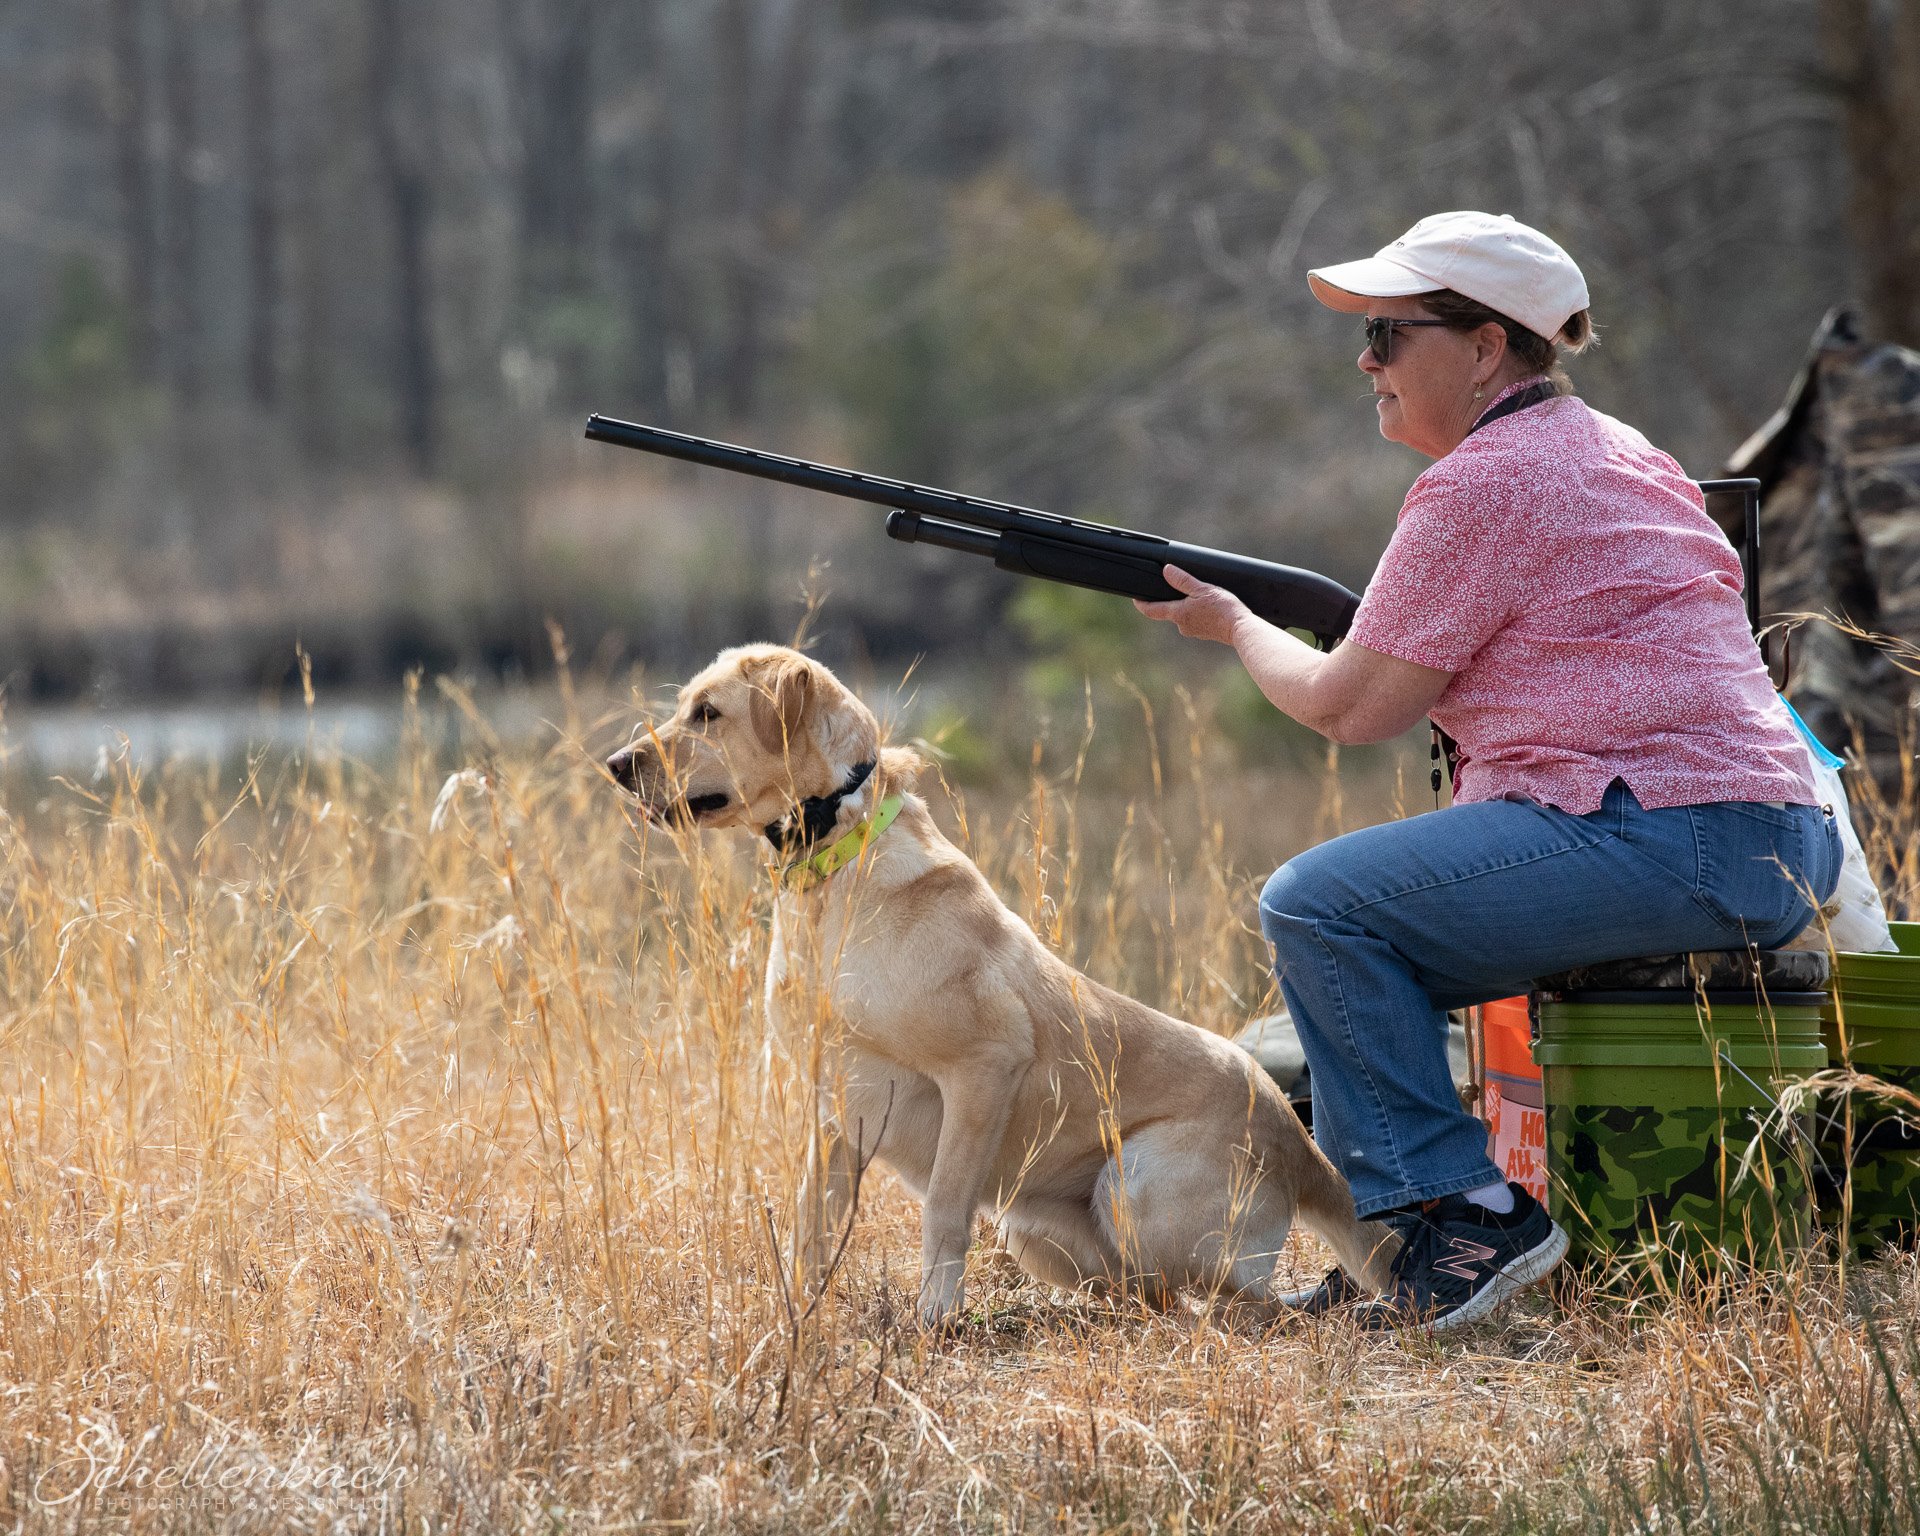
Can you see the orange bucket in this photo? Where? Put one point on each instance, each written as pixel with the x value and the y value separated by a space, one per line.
pixel 1515 1108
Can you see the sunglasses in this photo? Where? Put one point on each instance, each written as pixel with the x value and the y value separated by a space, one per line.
pixel 1380 336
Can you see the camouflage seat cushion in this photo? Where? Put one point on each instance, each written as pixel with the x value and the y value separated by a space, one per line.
pixel 1713 970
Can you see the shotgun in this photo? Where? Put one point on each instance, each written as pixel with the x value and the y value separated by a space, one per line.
pixel 1024 540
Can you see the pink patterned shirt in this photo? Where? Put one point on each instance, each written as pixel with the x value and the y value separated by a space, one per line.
pixel 1566 572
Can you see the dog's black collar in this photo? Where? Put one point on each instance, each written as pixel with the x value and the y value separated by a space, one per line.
pixel 818 813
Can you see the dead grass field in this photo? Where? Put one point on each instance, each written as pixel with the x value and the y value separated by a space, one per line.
pixel 402 1149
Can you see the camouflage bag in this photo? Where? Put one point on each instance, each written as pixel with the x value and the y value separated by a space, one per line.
pixel 1839 466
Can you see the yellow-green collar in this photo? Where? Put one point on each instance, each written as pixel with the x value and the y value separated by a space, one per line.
pixel 838 854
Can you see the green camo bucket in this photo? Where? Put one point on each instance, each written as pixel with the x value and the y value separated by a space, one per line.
pixel 1873 1194
pixel 1653 1100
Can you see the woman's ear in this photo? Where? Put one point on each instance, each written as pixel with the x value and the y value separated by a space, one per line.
pixel 1490 352
pixel 783 693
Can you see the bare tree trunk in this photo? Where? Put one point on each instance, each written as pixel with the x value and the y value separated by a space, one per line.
pixel 646 169
pixel 783 210
pixel 263 212
pixel 397 149
pixel 315 121
pixel 552 43
pixel 132 169
pixel 760 129
pixel 184 320
pixel 734 102
pixel 1873 52
pixel 553 50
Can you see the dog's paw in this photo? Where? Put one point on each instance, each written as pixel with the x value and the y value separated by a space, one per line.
pixel 940 1312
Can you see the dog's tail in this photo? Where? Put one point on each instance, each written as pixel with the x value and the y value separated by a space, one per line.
pixel 1365 1249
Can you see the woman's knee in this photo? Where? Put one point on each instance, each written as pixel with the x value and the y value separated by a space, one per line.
pixel 1287 901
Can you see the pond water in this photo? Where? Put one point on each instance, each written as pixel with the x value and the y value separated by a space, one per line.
pixel 82 739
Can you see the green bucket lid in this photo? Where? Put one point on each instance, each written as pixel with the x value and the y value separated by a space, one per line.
pixel 1878 1034
pixel 1797 1060
pixel 1879 997
pixel 1783 1041
pixel 1684 1018
pixel 1896 974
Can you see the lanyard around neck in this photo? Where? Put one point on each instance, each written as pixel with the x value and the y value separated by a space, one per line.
pixel 1533 394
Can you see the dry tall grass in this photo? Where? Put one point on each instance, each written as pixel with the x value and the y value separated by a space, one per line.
pixel 396 1148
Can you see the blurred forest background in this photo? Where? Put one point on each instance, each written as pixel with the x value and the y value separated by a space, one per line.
pixel 303 302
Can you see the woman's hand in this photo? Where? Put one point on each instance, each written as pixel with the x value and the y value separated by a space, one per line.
pixel 1205 613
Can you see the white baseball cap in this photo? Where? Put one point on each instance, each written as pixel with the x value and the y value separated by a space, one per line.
pixel 1500 262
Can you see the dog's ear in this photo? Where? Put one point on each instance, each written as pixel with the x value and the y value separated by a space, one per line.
pixel 783 692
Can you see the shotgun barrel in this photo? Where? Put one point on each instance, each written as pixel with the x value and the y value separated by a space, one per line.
pixel 1024 539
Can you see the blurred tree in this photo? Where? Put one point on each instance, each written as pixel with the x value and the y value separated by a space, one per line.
pixel 734 100
pixel 185 321
pixel 551 47
pixel 1014 309
pixel 1873 53
pixel 1078 636
pixel 263 206
pixel 313 166
pixel 399 110
pixel 133 173
pixel 1050 250
pixel 643 175
pixel 1036 302
pixel 764 55
pixel 76 383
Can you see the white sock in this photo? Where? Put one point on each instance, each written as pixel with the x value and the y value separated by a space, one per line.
pixel 1496 1197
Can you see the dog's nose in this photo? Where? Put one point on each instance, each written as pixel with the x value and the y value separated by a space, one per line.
pixel 624 765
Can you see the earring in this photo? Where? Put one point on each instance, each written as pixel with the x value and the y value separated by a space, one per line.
pixel 1479 394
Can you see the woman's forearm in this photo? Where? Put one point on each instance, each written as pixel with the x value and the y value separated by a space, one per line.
pixel 1350 694
pixel 1288 671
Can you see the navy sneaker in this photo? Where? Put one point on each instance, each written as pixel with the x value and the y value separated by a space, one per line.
pixel 1462 1260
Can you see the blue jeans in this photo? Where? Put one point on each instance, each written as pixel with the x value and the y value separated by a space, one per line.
pixel 1378 933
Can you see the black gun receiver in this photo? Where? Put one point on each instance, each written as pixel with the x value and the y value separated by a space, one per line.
pixel 1033 543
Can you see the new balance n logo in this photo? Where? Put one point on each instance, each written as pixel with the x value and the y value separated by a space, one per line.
pixel 1466 1260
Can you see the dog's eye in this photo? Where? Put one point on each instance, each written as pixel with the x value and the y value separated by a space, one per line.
pixel 704 712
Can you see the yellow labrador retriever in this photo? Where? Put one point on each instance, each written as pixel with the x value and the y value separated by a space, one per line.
pixel 1116 1146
